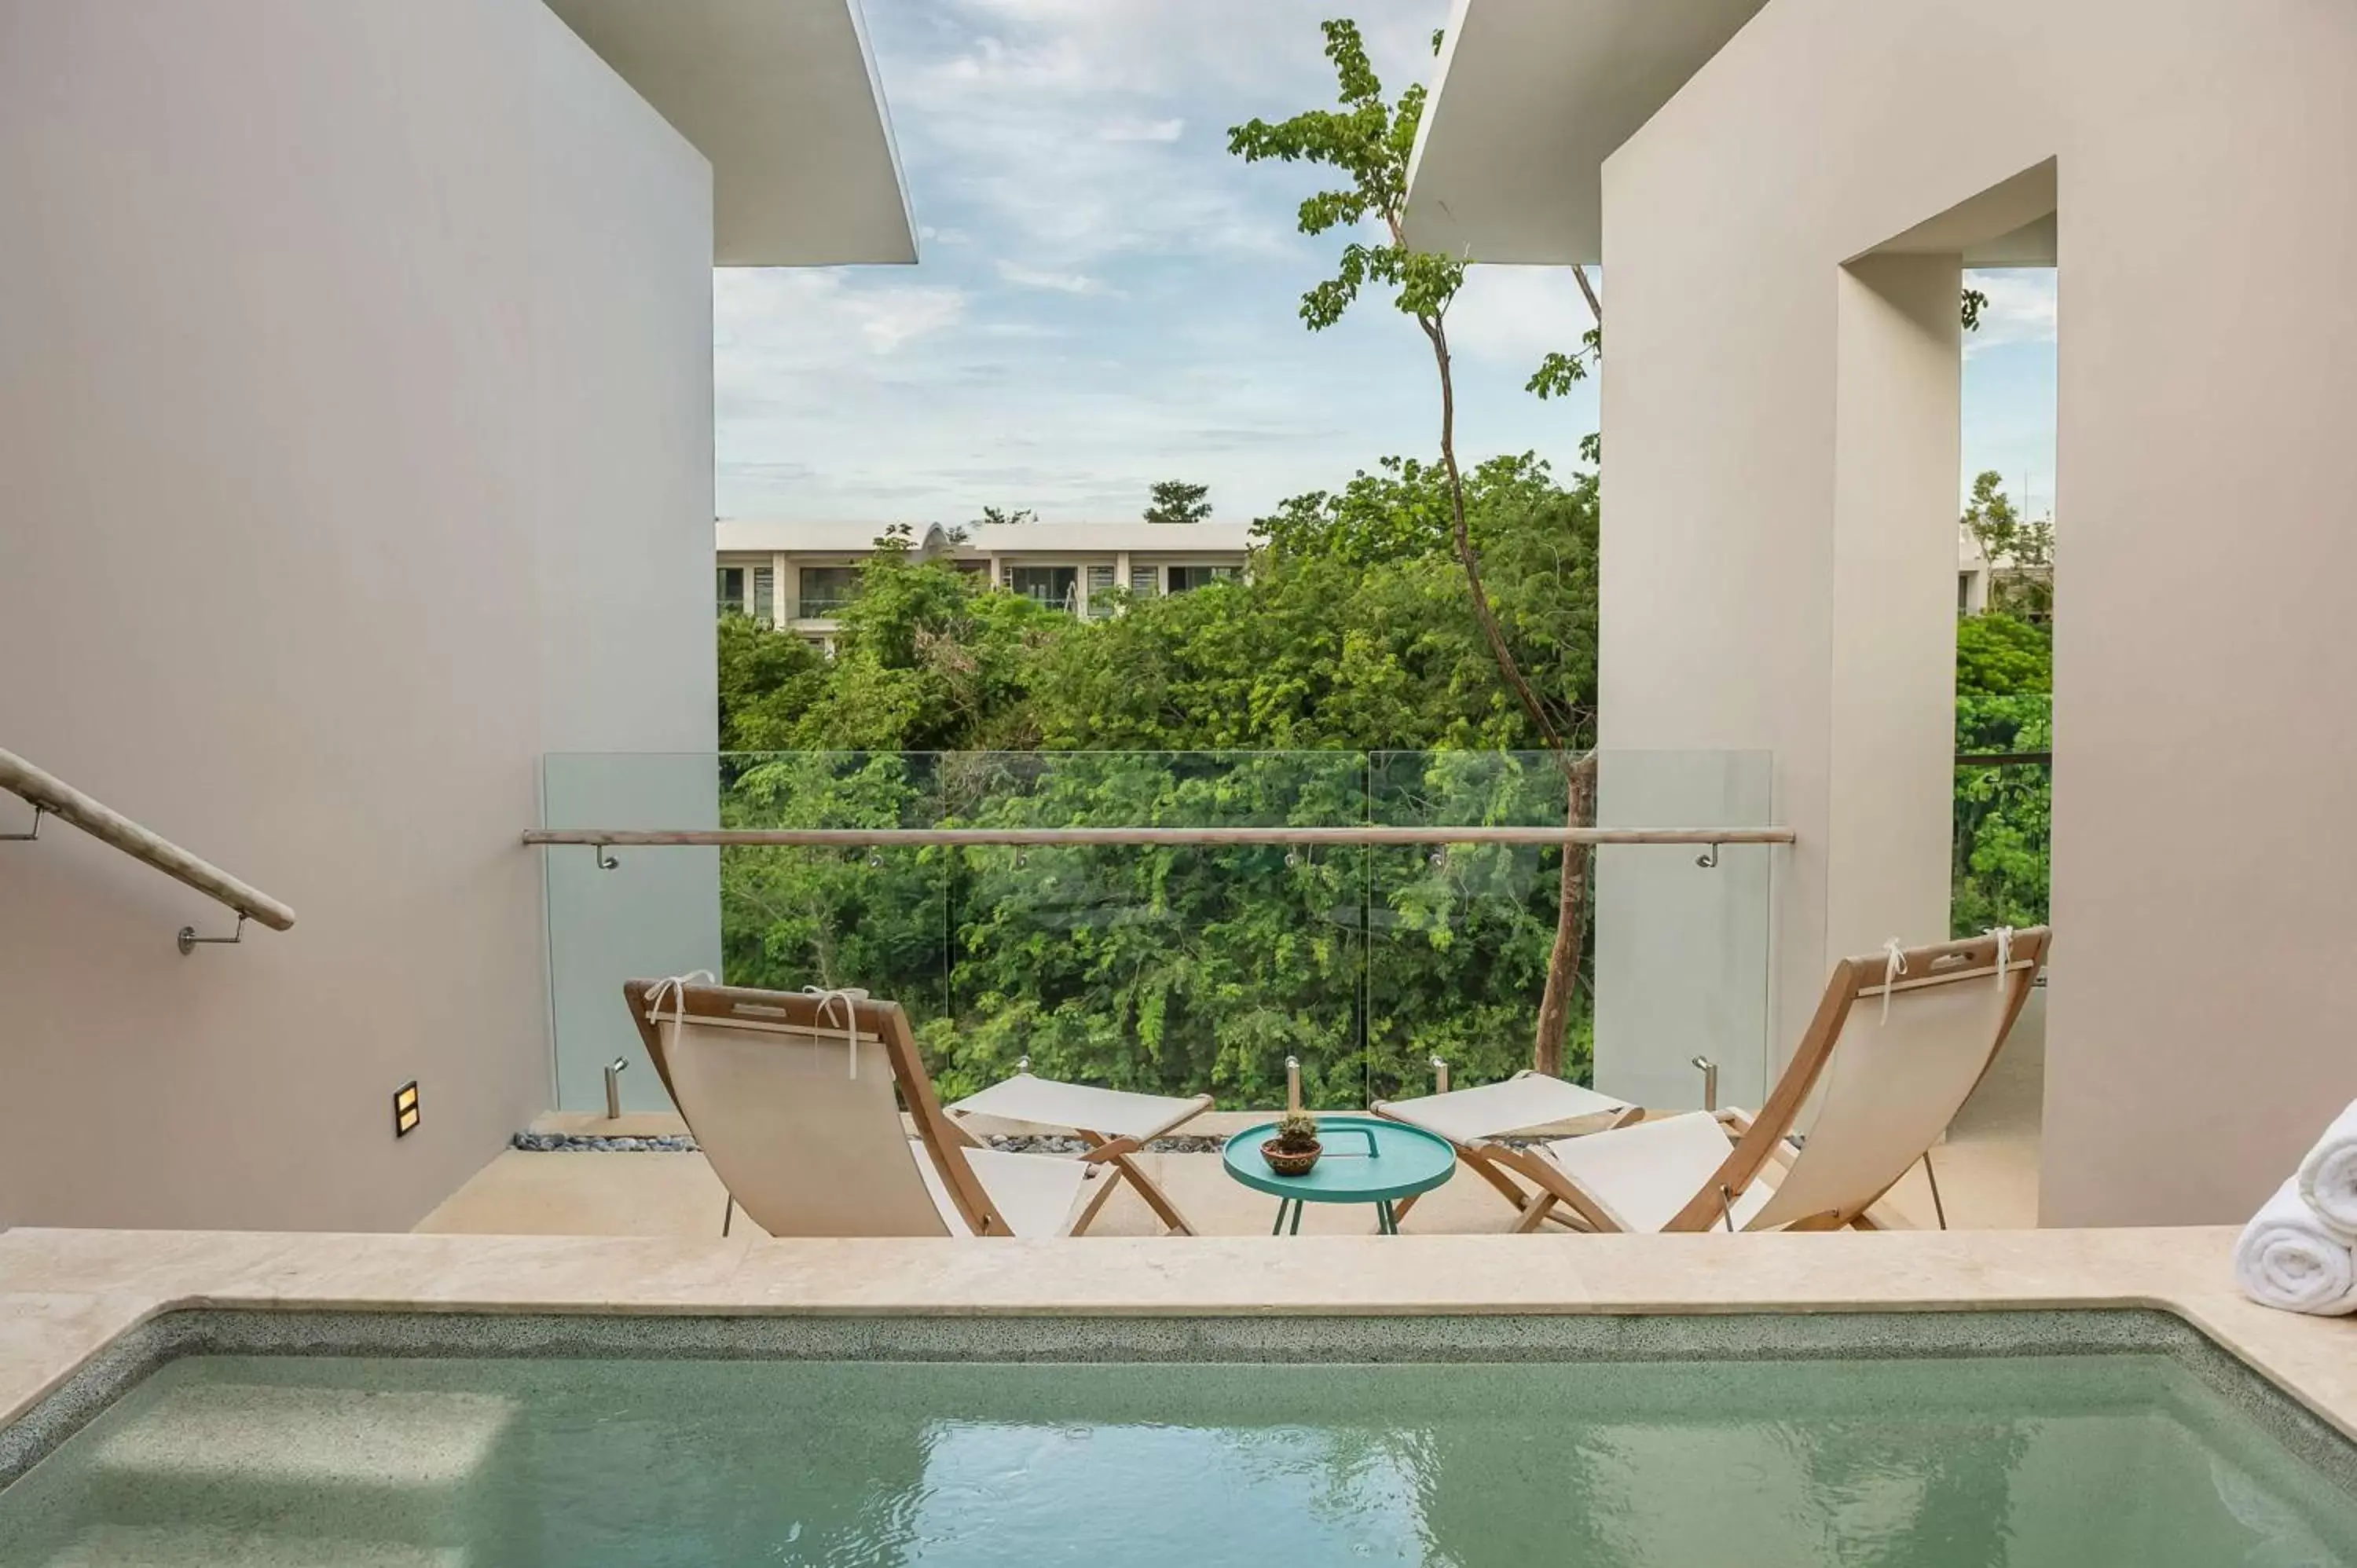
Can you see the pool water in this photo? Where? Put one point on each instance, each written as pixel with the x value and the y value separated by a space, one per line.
pixel 516 1463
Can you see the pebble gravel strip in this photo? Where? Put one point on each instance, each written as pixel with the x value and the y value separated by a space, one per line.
pixel 685 1143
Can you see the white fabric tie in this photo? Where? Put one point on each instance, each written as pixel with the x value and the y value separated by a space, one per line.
pixel 849 997
pixel 2004 934
pixel 1894 964
pixel 675 986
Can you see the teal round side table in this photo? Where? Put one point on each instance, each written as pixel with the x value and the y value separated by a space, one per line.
pixel 1367 1160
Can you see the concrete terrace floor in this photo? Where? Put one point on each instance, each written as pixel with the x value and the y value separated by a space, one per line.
pixel 1987 1175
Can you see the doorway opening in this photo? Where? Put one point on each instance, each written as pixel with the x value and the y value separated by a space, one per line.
pixel 2000 869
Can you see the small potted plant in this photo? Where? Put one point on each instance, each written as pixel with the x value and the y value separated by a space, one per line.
pixel 1296 1147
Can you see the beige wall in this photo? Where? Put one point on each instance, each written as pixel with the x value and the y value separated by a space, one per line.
pixel 354 409
pixel 1891 653
pixel 2206 744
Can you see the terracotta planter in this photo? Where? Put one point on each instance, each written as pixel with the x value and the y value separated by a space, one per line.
pixel 1290 1162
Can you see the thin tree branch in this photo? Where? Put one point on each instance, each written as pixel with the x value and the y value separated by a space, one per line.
pixel 1468 556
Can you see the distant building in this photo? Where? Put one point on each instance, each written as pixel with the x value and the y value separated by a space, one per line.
pixel 1975 573
pixel 800 575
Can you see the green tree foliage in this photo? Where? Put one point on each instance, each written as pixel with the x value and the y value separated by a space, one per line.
pixel 2004 811
pixel 1319 689
pixel 768 679
pixel 1368 144
pixel 925 661
pixel 2004 707
pixel 1352 630
pixel 2020 550
pixel 1559 371
pixel 1174 501
pixel 2000 656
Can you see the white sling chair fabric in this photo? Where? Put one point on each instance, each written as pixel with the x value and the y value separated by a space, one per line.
pixel 1894 1077
pixel 1494 1109
pixel 808 1146
pixel 1045 1102
pixel 1642 1175
pixel 1033 1193
pixel 1889 1090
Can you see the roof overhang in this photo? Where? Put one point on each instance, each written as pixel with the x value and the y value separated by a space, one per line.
pixel 1531 98
pixel 783 98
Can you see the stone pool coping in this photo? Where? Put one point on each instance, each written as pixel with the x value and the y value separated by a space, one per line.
pixel 65 1296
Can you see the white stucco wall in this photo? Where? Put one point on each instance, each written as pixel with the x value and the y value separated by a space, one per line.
pixel 354 411
pixel 1760 550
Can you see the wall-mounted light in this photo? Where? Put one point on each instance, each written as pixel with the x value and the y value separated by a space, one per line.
pixel 404 1110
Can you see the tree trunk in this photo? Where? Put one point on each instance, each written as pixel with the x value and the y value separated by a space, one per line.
pixel 1570 924
pixel 1571 903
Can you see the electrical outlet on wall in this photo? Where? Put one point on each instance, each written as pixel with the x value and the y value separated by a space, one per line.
pixel 404 1110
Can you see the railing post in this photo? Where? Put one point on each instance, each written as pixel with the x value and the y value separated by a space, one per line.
pixel 1709 1082
pixel 1292 1083
pixel 1440 1076
pixel 614 1091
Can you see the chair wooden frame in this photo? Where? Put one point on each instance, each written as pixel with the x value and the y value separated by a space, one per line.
pixel 1117 1153
pixel 1764 1139
pixel 1498 1163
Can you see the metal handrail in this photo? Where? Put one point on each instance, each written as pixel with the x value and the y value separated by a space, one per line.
pixel 1302 837
pixel 51 796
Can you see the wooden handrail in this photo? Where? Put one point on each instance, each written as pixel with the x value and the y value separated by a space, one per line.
pixel 51 796
pixel 861 838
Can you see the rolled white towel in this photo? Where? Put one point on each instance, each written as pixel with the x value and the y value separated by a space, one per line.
pixel 2289 1258
pixel 2328 1177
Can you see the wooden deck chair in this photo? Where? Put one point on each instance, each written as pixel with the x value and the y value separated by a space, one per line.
pixel 1472 1119
pixel 1116 1124
pixel 795 1099
pixel 1899 1041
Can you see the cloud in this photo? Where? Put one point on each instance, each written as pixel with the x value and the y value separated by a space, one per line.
pixel 776 328
pixel 2021 309
pixel 1107 298
pixel 1051 117
pixel 1022 276
pixel 1516 315
pixel 1143 131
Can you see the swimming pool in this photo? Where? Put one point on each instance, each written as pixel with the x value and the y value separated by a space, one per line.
pixel 1915 1439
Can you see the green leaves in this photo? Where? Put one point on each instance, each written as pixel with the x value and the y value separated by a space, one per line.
pixel 1368 144
pixel 1165 970
pixel 1352 72
pixel 2020 551
pixel 927 658
pixel 768 681
pixel 2000 655
pixel 1559 371
pixel 1176 502
pixel 2004 814
pixel 1326 688
pixel 1352 630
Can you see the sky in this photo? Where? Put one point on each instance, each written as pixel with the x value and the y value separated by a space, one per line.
pixel 1105 298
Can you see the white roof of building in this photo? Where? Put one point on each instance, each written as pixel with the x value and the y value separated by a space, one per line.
pixel 783 98
pixel 757 536
pixel 1531 96
pixel 1132 533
